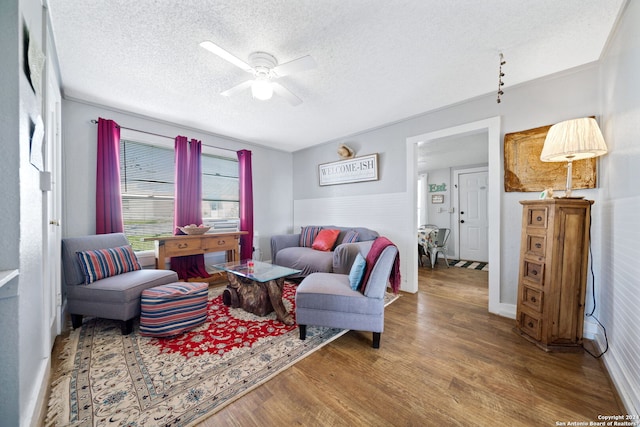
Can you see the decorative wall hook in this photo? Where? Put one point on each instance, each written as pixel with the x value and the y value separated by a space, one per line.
pixel 500 76
pixel 345 152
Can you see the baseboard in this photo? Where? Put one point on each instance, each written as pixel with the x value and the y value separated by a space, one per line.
pixel 619 376
pixel 504 310
pixel 36 410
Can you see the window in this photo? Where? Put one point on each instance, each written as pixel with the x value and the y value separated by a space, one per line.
pixel 422 190
pixel 147 187
pixel 220 188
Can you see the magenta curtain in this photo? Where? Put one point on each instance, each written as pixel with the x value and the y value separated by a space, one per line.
pixel 246 204
pixel 108 198
pixel 188 202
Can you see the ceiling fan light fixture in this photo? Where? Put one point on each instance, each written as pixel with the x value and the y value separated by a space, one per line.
pixel 265 70
pixel 261 88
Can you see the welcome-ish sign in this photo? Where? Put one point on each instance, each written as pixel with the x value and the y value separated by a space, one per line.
pixel 358 169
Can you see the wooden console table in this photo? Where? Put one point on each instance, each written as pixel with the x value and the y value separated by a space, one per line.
pixel 183 245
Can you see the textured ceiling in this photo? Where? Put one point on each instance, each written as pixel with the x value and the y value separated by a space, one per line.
pixel 378 61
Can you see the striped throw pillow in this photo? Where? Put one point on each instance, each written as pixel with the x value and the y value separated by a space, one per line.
pixel 351 236
pixel 100 263
pixel 308 235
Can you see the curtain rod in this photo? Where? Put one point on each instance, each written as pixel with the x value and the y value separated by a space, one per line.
pixel 95 122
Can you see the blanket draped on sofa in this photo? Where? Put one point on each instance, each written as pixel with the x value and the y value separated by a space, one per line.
pixel 372 257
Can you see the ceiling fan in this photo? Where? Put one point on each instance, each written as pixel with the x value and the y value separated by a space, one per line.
pixel 265 70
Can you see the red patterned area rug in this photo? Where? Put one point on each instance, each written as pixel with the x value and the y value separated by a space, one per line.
pixel 106 378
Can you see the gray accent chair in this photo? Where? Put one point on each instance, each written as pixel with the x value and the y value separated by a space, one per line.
pixel 116 297
pixel 326 299
pixel 286 251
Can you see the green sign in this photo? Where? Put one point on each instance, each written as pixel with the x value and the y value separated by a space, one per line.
pixel 433 188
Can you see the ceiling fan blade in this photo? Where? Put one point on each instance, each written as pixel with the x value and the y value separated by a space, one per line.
pixel 297 65
pixel 214 48
pixel 286 94
pixel 237 88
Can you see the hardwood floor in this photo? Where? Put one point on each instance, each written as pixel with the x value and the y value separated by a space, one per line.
pixel 444 360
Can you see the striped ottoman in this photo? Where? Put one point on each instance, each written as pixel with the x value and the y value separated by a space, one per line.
pixel 172 309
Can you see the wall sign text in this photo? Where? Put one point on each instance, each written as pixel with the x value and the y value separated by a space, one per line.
pixel 358 169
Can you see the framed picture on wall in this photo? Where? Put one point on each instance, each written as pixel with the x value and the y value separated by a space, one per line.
pixel 525 172
pixel 437 198
pixel 357 169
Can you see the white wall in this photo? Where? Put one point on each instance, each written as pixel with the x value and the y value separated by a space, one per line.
pixel 542 102
pixel 24 360
pixel 616 250
pixel 272 176
pixel 438 213
pixel 10 141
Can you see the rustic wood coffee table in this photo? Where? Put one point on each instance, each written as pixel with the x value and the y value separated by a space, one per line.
pixel 256 287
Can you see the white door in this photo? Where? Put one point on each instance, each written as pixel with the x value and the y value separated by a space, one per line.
pixel 52 211
pixel 473 220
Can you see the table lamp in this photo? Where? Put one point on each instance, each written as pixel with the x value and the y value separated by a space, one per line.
pixel 571 140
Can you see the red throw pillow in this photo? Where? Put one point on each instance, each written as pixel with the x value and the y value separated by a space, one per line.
pixel 325 240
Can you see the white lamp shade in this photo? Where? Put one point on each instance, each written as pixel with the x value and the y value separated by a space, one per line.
pixel 573 140
pixel 262 89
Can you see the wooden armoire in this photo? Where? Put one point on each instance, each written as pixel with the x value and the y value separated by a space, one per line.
pixel 554 254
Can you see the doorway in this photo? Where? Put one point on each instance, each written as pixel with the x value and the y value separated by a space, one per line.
pixel 492 127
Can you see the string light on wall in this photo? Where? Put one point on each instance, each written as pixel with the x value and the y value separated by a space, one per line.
pixel 500 76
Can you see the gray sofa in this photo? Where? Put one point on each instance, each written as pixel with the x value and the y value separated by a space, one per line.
pixel 286 251
pixel 116 297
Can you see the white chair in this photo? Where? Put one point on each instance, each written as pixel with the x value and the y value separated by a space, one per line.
pixel 425 233
pixel 438 245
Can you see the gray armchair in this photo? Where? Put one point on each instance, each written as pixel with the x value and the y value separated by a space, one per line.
pixel 116 297
pixel 326 299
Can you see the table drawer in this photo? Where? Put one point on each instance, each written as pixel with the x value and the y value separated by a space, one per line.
pixel 536 245
pixel 533 272
pixel 532 298
pixel 221 243
pixel 537 216
pixel 186 246
pixel 531 325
